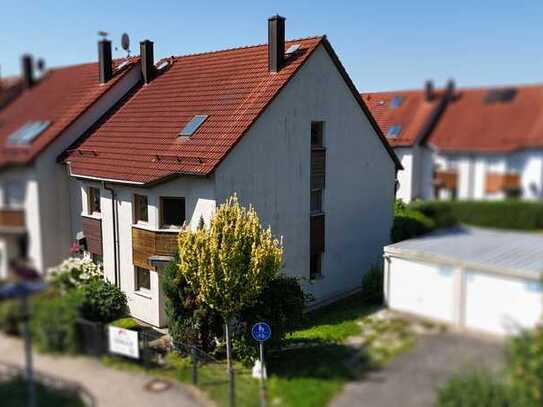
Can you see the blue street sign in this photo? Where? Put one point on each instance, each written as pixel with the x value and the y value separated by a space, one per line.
pixel 261 331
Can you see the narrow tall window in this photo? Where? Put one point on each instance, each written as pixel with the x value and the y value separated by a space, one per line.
pixel 94 200
pixel 143 279
pixel 140 208
pixel 172 212
pixel 318 177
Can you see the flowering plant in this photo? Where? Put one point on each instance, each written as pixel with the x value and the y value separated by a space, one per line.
pixel 73 273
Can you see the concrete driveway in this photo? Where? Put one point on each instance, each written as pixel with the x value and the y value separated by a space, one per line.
pixel 411 380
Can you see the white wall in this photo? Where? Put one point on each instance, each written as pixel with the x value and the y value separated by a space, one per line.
pixel 405 176
pixel 270 168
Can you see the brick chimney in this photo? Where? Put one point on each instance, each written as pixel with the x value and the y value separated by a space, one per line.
pixel 147 60
pixel 429 90
pixel 451 89
pixel 276 43
pixel 105 63
pixel 27 66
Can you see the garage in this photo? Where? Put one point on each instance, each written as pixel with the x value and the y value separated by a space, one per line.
pixel 476 279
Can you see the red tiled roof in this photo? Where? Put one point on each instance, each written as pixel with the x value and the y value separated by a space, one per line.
pixel 10 88
pixel 59 97
pixel 139 141
pixel 412 115
pixel 471 124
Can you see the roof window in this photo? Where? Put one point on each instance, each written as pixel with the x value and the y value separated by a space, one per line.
pixel 500 95
pixel 27 133
pixel 293 49
pixel 396 101
pixel 394 131
pixel 193 125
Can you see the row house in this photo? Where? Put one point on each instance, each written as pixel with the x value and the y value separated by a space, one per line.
pixel 472 143
pixel 39 211
pixel 279 124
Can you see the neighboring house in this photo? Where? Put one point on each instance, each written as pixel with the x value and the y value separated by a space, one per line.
pixel 280 124
pixel 472 278
pixel 482 143
pixel 10 88
pixel 39 213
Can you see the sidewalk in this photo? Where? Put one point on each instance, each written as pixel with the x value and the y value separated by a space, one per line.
pixel 108 386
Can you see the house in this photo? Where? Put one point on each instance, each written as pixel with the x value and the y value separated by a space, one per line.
pixel 39 213
pixel 478 143
pixel 475 279
pixel 280 124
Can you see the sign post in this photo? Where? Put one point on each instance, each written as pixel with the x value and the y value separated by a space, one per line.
pixel 261 332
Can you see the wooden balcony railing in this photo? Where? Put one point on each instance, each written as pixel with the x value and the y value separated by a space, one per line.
pixel 12 218
pixel 498 182
pixel 446 179
pixel 148 243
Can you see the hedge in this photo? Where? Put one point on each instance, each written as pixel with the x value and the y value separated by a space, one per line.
pixel 508 214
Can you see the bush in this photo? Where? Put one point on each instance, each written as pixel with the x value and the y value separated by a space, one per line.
pixel 409 223
pixel 53 322
pixel 372 286
pixel 475 390
pixel 508 214
pixel 102 301
pixel 9 317
pixel 73 273
pixel 524 361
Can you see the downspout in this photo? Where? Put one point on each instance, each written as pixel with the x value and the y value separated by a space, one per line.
pixel 115 236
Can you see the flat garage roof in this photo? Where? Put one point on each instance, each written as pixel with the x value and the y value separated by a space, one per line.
pixel 499 251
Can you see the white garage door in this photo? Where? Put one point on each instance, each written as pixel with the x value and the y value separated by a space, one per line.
pixel 499 304
pixel 422 289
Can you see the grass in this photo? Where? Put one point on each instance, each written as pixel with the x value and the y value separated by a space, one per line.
pixel 13 393
pixel 307 376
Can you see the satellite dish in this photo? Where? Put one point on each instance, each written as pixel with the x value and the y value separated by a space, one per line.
pixel 40 64
pixel 125 43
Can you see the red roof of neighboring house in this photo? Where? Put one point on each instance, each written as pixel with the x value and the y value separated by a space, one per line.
pixel 59 97
pixel 412 114
pixel 139 141
pixel 470 123
pixel 10 88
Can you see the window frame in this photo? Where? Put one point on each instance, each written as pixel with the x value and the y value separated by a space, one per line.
pixel 320 208
pixel 319 275
pixel 163 224
pixel 138 208
pixel 137 286
pixel 92 192
pixel 321 143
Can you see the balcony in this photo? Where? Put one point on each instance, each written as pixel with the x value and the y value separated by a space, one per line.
pixel 12 220
pixel 446 179
pixel 149 246
pixel 498 182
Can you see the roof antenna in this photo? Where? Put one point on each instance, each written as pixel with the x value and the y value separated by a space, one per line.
pixel 103 34
pixel 125 43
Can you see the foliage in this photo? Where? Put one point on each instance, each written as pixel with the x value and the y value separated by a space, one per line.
pixel 73 273
pixel 9 317
pixel 524 356
pixel 372 285
pixel 508 214
pixel 475 390
pixel 409 223
pixel 102 301
pixel 53 321
pixel 13 393
pixel 230 263
pixel 127 323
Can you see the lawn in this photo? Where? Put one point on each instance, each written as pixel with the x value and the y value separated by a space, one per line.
pixel 309 373
pixel 13 393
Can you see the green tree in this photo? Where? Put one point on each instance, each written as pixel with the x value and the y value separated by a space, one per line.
pixel 229 264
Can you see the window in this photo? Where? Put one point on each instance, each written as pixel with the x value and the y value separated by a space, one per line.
pixel 27 133
pixel 396 101
pixel 316 201
pixel 172 212
pixel 394 131
pixel 315 266
pixel 140 208
pixel 94 200
pixel 14 194
pixel 143 279
pixel 317 134
pixel 193 125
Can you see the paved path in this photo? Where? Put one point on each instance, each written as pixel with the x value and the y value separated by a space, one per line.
pixel 109 387
pixel 411 380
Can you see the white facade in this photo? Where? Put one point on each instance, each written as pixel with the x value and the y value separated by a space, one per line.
pixel 50 198
pixel 270 169
pixel 415 181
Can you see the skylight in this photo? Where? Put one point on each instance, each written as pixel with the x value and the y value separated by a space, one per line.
pixel 396 101
pixel 394 131
pixel 293 48
pixel 27 133
pixel 193 125
pixel 500 95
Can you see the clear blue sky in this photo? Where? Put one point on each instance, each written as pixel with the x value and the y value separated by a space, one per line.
pixel 383 44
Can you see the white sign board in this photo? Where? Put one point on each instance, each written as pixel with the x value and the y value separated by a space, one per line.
pixel 124 342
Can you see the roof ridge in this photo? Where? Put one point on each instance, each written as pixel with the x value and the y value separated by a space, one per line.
pixel 174 57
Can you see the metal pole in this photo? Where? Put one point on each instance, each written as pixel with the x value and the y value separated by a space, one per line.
pixel 232 388
pixel 194 366
pixel 28 352
pixel 263 395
